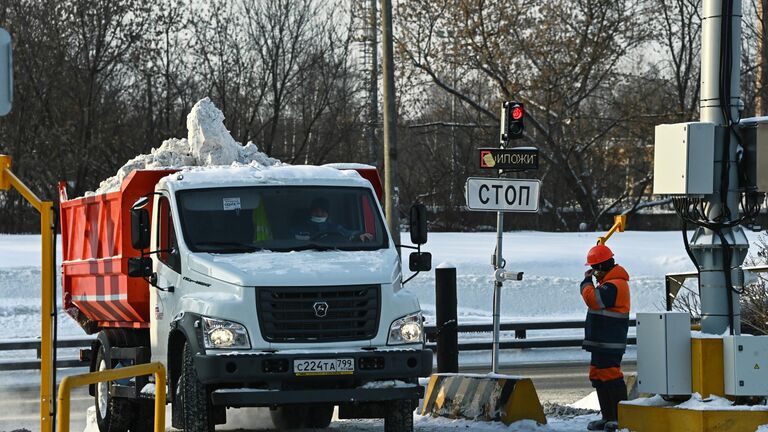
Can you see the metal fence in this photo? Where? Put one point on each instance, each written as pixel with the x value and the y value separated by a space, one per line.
pixel 34 344
pixel 520 341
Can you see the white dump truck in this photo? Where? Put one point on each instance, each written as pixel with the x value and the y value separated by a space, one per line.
pixel 271 287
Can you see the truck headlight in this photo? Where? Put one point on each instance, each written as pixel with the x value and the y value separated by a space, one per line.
pixel 406 330
pixel 219 333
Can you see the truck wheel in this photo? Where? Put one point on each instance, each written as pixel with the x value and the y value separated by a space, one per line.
pixel 319 416
pixel 399 417
pixel 196 407
pixel 289 417
pixel 112 414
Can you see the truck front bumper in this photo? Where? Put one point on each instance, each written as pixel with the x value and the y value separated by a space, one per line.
pixel 241 397
pixel 268 379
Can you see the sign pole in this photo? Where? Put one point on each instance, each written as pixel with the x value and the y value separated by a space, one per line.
pixel 498 263
pixel 504 194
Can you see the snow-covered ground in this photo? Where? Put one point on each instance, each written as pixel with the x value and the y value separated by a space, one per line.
pixel 553 264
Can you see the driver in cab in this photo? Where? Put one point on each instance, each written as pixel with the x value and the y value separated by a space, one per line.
pixel 318 227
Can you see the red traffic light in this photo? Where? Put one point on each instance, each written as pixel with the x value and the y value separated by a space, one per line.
pixel 517 112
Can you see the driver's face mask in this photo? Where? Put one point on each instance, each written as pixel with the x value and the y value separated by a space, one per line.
pixel 319 219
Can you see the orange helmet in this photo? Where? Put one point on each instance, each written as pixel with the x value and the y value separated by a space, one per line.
pixel 598 254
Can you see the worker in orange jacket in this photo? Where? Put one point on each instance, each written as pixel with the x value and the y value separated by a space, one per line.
pixel 605 332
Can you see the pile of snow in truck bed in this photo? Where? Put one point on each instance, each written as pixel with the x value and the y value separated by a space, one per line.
pixel 208 143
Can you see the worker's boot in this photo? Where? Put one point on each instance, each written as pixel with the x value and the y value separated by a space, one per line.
pixel 600 424
pixel 614 395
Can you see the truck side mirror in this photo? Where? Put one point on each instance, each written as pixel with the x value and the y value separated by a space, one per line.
pixel 140 267
pixel 140 225
pixel 420 261
pixel 418 225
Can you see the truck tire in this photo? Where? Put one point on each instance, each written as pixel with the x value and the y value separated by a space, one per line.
pixel 319 416
pixel 399 416
pixel 112 414
pixel 196 407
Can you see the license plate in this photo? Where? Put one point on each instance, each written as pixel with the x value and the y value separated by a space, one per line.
pixel 341 366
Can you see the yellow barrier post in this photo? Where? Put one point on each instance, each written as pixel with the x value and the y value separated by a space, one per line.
pixel 7 181
pixel 69 382
pixel 619 223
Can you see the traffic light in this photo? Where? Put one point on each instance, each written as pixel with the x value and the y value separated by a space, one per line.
pixel 512 126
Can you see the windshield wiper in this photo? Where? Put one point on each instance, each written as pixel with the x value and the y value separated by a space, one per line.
pixel 227 247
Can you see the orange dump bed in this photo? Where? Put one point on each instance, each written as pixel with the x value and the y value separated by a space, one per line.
pixel 96 245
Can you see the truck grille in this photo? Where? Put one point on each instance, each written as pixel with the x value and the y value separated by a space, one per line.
pixel 318 314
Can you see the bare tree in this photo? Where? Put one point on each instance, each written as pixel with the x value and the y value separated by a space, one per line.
pixel 561 59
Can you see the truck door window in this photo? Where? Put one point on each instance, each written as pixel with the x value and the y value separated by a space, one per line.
pixel 167 243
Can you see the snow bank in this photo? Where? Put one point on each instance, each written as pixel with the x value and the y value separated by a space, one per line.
pixel 589 402
pixel 697 403
pixel 387 384
pixel 208 143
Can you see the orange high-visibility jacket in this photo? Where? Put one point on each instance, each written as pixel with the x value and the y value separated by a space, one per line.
pixel 608 314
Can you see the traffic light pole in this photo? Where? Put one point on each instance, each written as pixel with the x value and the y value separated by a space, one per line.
pixel 498 263
pixel 721 251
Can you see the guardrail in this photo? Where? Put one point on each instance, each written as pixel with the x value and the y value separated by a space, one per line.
pixel 520 342
pixel 34 344
pixel 521 333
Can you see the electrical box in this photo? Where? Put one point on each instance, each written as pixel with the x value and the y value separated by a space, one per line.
pixel 664 353
pixel 684 159
pixel 745 365
pixel 754 140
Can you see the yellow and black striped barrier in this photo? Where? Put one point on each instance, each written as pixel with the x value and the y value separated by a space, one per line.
pixel 483 397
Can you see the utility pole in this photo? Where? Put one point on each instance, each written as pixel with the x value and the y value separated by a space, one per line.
pixel 720 252
pixel 374 86
pixel 390 123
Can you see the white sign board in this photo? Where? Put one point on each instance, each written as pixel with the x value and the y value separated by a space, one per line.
pixel 6 73
pixel 506 195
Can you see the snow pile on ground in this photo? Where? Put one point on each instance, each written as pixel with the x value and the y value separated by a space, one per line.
pixel 716 403
pixel 208 143
pixel 589 402
pixel 566 411
pixel 697 403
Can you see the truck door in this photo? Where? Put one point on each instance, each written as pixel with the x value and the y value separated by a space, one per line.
pixel 168 268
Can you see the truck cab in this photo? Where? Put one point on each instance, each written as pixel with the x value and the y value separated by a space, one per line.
pixel 279 288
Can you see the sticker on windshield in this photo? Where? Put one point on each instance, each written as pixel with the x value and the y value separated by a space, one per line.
pixel 232 203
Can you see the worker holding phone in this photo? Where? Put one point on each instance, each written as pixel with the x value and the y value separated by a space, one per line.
pixel 605 331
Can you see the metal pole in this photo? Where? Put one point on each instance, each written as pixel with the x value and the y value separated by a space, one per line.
pixel 706 244
pixel 390 123
pixel 498 263
pixel 47 308
pixel 447 321
pixel 48 311
pixel 374 86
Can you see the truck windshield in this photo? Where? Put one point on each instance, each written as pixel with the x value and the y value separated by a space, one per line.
pixel 281 219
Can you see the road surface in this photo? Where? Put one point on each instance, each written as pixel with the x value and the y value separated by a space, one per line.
pixel 558 383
